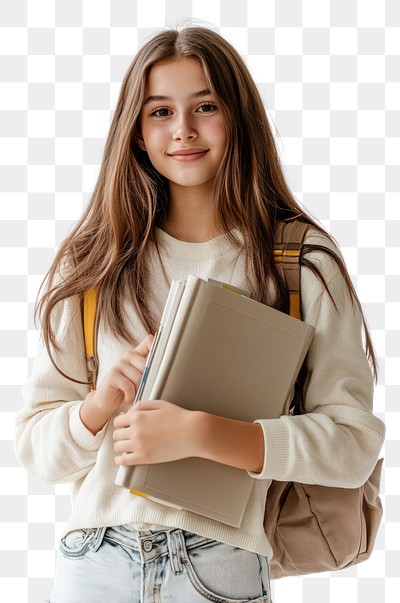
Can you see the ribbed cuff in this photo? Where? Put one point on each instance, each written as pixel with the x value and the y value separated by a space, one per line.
pixel 81 435
pixel 276 446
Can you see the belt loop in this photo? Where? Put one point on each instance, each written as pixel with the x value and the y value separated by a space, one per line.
pixel 177 550
pixel 97 539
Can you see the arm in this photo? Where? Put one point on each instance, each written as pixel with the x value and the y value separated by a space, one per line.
pixel 51 441
pixel 61 427
pixel 337 441
pixel 157 432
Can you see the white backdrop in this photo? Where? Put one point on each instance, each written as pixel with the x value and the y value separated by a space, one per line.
pixel 329 75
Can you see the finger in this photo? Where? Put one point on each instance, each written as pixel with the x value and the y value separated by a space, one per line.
pixel 118 434
pixel 123 447
pixel 148 405
pixel 125 385
pixel 141 405
pixel 122 421
pixel 127 460
pixel 144 346
pixel 132 360
pixel 130 367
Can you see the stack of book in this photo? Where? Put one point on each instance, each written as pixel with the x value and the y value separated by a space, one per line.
pixel 219 351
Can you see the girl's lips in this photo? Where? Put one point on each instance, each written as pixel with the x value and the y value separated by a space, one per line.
pixel 191 156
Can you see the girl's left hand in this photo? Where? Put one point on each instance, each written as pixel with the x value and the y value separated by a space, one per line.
pixel 154 431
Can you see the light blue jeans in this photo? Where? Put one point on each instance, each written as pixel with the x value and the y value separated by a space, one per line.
pixel 121 565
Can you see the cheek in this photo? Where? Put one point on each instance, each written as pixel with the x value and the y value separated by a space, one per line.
pixel 155 148
pixel 220 131
pixel 156 134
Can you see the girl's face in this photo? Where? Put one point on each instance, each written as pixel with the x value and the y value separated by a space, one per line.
pixel 183 128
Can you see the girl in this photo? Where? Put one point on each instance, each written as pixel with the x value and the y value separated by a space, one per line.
pixel 190 183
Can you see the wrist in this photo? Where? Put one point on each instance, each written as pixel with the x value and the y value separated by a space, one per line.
pixel 198 432
pixel 94 415
pixel 206 434
pixel 231 442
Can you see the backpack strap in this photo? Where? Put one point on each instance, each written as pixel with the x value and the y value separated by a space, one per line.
pixel 89 330
pixel 289 237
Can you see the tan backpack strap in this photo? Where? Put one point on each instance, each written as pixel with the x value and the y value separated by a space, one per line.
pixel 289 237
pixel 89 327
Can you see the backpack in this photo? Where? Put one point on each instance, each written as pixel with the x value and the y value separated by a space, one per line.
pixel 311 528
pixel 315 528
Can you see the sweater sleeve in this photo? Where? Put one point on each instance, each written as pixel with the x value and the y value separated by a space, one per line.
pixel 338 439
pixel 51 441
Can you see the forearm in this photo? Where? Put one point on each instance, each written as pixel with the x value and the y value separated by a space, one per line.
pixel 235 443
pixel 53 445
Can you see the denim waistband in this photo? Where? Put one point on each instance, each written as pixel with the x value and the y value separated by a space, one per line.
pixel 151 544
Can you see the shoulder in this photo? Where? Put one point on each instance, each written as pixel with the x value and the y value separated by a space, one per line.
pixel 324 274
pixel 322 251
pixel 319 247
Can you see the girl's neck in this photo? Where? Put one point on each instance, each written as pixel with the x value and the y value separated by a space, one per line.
pixel 191 217
pixel 191 232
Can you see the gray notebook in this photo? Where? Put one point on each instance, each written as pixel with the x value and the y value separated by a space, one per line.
pixel 219 351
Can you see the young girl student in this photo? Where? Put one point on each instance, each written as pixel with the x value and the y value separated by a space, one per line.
pixel 190 183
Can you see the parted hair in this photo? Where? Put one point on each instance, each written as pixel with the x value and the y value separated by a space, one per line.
pixel 108 246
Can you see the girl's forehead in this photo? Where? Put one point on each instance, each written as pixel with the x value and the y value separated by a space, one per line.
pixel 182 72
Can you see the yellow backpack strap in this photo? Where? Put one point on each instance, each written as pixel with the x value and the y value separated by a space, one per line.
pixel 89 329
pixel 289 237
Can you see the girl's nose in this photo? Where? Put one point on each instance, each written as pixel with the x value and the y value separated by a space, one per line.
pixel 184 129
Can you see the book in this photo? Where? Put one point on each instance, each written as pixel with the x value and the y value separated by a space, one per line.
pixel 219 351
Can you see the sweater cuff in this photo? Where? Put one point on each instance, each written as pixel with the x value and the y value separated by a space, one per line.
pixel 81 435
pixel 276 446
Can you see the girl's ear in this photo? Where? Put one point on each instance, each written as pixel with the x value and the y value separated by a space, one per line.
pixel 140 142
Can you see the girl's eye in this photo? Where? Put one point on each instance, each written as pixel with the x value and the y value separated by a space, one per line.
pixel 163 112
pixel 207 108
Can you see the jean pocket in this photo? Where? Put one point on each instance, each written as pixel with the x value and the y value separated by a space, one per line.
pixel 226 574
pixel 75 544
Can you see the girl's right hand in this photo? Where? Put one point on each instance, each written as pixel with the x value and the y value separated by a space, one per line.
pixel 118 388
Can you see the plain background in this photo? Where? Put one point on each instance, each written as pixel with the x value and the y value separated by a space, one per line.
pixel 328 73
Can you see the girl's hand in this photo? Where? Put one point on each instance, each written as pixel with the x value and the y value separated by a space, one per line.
pixel 154 432
pixel 119 386
pixel 117 389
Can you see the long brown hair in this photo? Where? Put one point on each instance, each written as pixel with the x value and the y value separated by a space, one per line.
pixel 108 246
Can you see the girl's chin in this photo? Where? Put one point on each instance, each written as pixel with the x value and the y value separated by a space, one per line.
pixel 190 184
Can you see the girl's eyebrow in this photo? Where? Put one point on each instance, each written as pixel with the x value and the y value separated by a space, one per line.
pixel 159 98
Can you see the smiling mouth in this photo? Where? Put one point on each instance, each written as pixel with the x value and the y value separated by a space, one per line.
pixel 188 154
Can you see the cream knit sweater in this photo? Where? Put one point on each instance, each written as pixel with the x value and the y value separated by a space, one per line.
pixel 336 443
